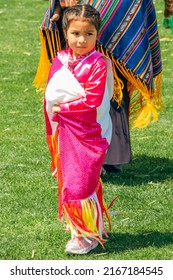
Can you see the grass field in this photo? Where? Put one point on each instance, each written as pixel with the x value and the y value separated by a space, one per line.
pixel 142 218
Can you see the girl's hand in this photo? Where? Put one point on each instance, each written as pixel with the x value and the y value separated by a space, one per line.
pixel 56 108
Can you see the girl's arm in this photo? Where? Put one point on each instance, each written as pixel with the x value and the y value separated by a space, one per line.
pixel 94 90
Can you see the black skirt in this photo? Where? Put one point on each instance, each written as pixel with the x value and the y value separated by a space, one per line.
pixel 119 151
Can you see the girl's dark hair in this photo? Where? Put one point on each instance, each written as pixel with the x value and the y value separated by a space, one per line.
pixel 77 12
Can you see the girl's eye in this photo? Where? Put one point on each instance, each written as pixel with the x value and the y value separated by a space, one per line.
pixel 89 34
pixel 75 33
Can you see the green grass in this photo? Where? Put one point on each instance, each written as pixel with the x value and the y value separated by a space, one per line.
pixel 142 216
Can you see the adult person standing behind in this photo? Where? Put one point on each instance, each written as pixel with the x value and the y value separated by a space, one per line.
pixel 129 36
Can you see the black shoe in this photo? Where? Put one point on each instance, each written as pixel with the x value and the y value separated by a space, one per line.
pixel 112 168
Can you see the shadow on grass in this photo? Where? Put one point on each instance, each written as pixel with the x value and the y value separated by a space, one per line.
pixel 121 242
pixel 142 170
pixel 125 241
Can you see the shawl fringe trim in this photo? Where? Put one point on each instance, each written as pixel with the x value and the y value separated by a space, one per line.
pixel 50 44
pixel 145 101
pixel 87 216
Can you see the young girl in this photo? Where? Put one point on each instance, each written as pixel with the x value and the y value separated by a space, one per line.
pixel 79 127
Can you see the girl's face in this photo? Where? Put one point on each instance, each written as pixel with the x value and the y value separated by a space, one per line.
pixel 81 37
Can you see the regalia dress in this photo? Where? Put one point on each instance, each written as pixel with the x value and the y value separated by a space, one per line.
pixel 78 137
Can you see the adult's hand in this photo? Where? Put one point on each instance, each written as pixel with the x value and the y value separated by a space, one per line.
pixel 56 14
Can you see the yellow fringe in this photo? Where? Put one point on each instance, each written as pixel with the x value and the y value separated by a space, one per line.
pixel 53 45
pixel 144 101
pixel 43 66
pixel 118 84
pixel 87 226
pixel 88 213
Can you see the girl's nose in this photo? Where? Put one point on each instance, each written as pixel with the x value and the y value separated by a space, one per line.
pixel 82 39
